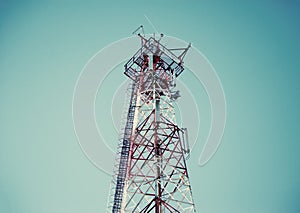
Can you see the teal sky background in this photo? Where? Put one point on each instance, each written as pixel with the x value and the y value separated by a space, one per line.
pixel 254 47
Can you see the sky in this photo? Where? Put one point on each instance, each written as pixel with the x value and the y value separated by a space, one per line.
pixel 254 47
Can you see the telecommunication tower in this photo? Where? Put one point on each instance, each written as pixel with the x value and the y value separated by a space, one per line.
pixel 150 173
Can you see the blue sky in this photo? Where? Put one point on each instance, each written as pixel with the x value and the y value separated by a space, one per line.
pixel 254 47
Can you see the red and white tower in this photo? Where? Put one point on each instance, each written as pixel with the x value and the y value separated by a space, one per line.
pixel 150 173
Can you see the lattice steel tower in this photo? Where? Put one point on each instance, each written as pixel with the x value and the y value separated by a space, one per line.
pixel 150 170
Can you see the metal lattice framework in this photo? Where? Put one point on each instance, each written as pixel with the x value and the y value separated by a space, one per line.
pixel 150 171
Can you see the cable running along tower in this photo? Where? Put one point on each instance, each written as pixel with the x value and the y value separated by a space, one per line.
pixel 150 173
